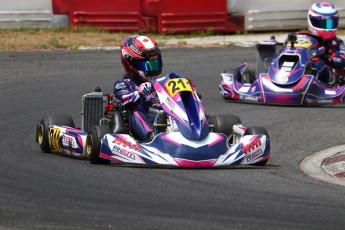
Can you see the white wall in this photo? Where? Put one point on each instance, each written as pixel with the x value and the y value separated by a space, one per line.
pixel 259 14
pixel 278 14
pixel 29 14
pixel 25 4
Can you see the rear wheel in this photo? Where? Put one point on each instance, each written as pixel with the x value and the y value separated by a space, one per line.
pixel 93 144
pixel 42 131
pixel 224 123
pixel 248 75
pixel 234 72
pixel 254 131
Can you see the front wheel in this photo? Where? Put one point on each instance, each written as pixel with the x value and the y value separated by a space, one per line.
pixel 255 131
pixel 224 123
pixel 42 130
pixel 93 144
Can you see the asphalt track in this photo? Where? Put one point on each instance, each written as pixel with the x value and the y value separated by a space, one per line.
pixel 49 191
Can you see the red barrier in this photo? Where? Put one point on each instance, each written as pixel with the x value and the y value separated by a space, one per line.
pixel 105 14
pixel 60 6
pixel 186 16
pixel 180 16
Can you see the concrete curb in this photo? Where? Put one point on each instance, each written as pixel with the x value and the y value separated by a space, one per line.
pixel 335 165
pixel 325 165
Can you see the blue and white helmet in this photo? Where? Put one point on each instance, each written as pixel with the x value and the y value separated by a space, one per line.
pixel 323 20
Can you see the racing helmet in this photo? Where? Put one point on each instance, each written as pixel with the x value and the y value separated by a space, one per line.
pixel 141 58
pixel 323 20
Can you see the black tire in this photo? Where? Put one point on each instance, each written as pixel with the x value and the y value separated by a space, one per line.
pixel 42 130
pixel 248 74
pixel 93 144
pixel 224 123
pixel 254 131
pixel 234 72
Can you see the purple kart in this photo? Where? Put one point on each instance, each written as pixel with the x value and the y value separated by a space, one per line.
pixel 283 78
pixel 184 135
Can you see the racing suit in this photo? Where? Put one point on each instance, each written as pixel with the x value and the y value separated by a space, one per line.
pixel 332 57
pixel 141 121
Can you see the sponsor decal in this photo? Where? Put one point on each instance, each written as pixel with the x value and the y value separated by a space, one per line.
pixel 283 79
pixel 325 101
pixel 124 143
pixel 302 41
pixel 254 155
pixel 227 78
pixel 135 50
pixel 123 152
pixel 120 85
pixel 251 146
pixel 253 89
pixel 330 92
pixel 68 141
pixel 54 136
pixel 251 98
pixel 170 103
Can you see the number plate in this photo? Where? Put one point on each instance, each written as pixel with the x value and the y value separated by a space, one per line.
pixel 177 85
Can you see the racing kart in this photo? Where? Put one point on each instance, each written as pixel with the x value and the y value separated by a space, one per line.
pixel 184 135
pixel 284 77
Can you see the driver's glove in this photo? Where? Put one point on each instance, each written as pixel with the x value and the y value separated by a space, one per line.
pixel 145 89
pixel 319 52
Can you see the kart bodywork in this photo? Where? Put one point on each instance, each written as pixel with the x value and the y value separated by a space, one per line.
pixel 284 78
pixel 184 135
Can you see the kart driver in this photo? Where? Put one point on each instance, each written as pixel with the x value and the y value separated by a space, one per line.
pixel 323 21
pixel 142 61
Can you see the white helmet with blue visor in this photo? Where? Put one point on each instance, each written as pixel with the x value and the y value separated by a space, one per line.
pixel 323 20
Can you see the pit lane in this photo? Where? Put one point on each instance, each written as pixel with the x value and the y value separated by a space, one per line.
pixel 49 191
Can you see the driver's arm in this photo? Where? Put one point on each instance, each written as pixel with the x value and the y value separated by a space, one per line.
pixel 126 92
pixel 337 58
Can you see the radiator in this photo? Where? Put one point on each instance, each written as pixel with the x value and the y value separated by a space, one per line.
pixel 92 110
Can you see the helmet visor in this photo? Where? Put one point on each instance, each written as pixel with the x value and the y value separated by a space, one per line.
pixel 147 66
pixel 324 23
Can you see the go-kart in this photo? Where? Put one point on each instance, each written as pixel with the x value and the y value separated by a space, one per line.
pixel 184 135
pixel 284 77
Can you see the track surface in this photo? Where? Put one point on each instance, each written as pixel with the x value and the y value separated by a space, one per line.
pixel 49 191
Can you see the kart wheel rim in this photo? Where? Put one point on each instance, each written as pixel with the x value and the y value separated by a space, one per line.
pixel 89 143
pixel 40 134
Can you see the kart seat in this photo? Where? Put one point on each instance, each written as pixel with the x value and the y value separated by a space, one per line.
pixel 117 123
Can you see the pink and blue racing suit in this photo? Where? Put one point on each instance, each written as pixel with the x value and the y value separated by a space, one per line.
pixel 141 122
pixel 333 58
